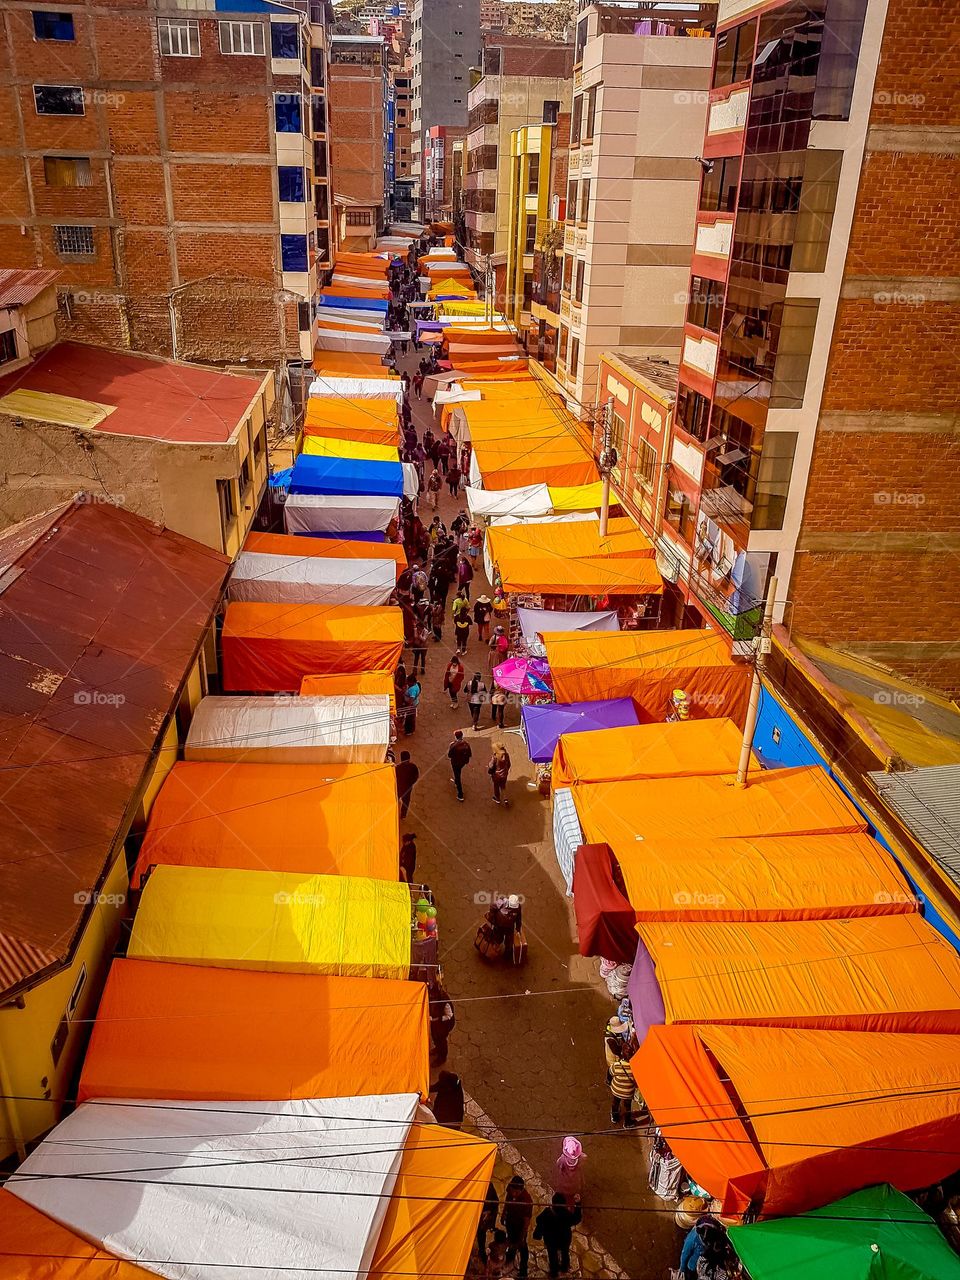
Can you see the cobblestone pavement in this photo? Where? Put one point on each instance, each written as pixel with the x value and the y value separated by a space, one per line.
pixel 528 1043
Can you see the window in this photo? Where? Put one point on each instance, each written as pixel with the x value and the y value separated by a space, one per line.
pixel 530 233
pixel 358 218
pixel 567 273
pixel 578 280
pixel 303 317
pixel 74 242
pixel 288 113
pixel 58 99
pixel 8 346
pixel 491 61
pixel 533 176
pixel 734 55
pixel 67 171
pixel 646 468
pixel 245 475
pixel 292 185
pixel 179 37
pixel 706 304
pixel 242 38
pixel 590 115
pixel 551 110
pixel 576 120
pixel 584 201
pixel 293 253
pixel 574 357
pixel 679 514
pixel 798 323
pixel 52 26
pixel 719 191
pixel 284 39
pixel 571 201
pixel 692 412
pixel 773 479
pixel 227 508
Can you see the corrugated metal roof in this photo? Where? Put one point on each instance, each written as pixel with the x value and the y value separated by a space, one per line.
pixel 101 613
pixel 928 802
pixel 17 288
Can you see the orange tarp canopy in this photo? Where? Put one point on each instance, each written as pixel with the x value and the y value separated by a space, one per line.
pixel 831 1111
pixel 34 1247
pixel 540 447
pixel 783 802
pixel 291 544
pixel 432 1217
pixel 330 819
pixel 647 666
pixel 371 421
pixel 361 264
pixel 682 748
pixel 351 364
pixel 574 559
pixel 880 973
pixel 474 336
pixel 476 368
pixel 185 1031
pixel 271 647
pixel 765 878
pixel 358 682
pixel 340 326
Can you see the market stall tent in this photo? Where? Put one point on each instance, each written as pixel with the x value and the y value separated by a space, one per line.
pixel 255 730
pixel 332 447
pixel 275 921
pixel 311 580
pixel 606 922
pixel 533 621
pixel 347 477
pixel 681 748
pixel 185 1031
pixel 352 418
pixel 286 544
pixel 543 725
pixel 271 647
pixel 338 514
pixel 332 819
pixel 330 686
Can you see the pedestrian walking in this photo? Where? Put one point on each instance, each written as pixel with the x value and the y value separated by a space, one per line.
pixel 476 697
pixel 434 485
pixel 625 1102
pixel 443 1019
pixel 555 1228
pixel 411 701
pixel 498 706
pixel 453 479
pixel 568 1178
pixel 482 610
pixel 419 579
pixel 499 647
pixel 464 575
pixel 418 385
pixel 499 771
pixel 442 458
pixel 418 646
pixel 419 460
pixel 488 1220
pixel 407 777
pixel 474 541
pixel 461 624
pixel 408 848
pixel 436 620
pixel 459 753
pixel 517 1212
pixel 453 679
pixel 448 1102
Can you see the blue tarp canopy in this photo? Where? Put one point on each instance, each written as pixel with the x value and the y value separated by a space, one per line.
pixel 352 304
pixel 346 476
pixel 543 725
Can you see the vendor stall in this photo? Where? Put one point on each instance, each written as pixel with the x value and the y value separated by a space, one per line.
pixel 311 579
pixel 338 514
pixel 677 749
pixel 258 730
pixel 543 725
pixel 351 477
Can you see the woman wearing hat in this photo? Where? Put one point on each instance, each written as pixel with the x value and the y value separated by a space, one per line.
pixel 482 609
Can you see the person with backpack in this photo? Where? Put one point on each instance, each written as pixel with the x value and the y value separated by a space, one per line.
pixel 434 485
pixel 461 621
pixel 499 647
pixel 482 610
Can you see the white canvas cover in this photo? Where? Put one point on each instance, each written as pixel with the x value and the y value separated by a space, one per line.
pixel 530 500
pixel 273 579
pixel 567 833
pixel 337 513
pixel 346 729
pixel 331 340
pixel 253 1190
pixel 533 621
pixel 341 277
pixel 476 478
pixel 358 388
pixel 562 517
pixel 411 486
pixel 355 317
pixel 455 394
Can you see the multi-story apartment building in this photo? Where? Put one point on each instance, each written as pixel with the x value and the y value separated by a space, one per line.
pixel 520 78
pixel 636 133
pixel 440 157
pixel 444 45
pixel 815 431
pixel 164 165
pixel 401 97
pixel 539 156
pixel 359 86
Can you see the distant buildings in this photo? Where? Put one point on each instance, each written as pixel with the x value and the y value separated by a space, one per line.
pixel 359 88
pixel 442 166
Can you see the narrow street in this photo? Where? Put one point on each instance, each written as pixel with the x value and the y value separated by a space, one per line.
pixel 528 1043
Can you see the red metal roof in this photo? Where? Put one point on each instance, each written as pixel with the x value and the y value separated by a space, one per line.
pixel 101 613
pixel 157 398
pixel 17 288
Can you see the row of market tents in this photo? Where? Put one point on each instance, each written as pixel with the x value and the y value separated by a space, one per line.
pixel 252 1099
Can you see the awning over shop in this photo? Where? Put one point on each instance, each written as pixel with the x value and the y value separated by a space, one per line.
pixel 574 559
pixel 543 725
pixel 331 686
pixel 311 580
pixel 338 514
pixel 332 447
pixel 186 1031
pixel 374 421
pixel 284 544
pixel 648 666
pixel 678 749
pixel 606 923
pixel 271 647
pixel 351 364
pixel 380 388
pixel 260 730
pixel 533 500
pixel 333 819
pixel 533 621
pixel 278 922
pixel 346 476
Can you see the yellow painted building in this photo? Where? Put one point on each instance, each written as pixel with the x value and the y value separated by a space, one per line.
pixel 531 155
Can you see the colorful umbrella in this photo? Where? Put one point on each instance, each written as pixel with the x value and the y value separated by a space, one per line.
pixel 523 675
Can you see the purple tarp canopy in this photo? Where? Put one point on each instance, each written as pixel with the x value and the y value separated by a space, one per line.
pixel 646 998
pixel 543 725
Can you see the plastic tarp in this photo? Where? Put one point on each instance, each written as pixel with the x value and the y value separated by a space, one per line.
pixel 533 621
pixel 274 921
pixel 873 973
pixel 329 339
pixel 34 1247
pixel 647 666
pixel 567 832
pixel 206 1170
pixel 285 544
pixel 331 447
pixel 800 801
pixel 811 877
pixel 551 454
pixel 411 480
pixel 335 730
pixel 373 421
pixel 271 647
pixel 677 749
pixel 579 497
pixel 350 364
pixel 543 725
pixel 355 682
pixel 606 923
pixel 350 477
pixel 874 1234
pixel 191 1031
pixel 565 517
pixel 574 557
pixel 357 388
pixel 334 819
pixel 335 299
pixel 338 514
pixel 829 1112
pixel 311 579
pixel 533 500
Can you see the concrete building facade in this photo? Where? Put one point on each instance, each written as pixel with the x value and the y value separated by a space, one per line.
pixel 440 157
pixel 359 86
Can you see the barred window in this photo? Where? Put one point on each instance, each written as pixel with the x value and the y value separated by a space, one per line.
pixel 74 242
pixel 242 38
pixel 179 37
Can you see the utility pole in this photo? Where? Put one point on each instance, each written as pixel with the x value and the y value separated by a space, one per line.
pixel 488 278
pixel 753 707
pixel 607 461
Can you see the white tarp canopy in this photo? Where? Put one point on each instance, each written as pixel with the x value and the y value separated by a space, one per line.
pixel 253 1190
pixel 332 340
pixel 337 513
pixel 533 621
pixel 411 481
pixel 441 251
pixel 476 479
pixel 343 729
pixel 352 317
pixel 271 579
pixel 456 395
pixel 529 501
pixel 561 517
pixel 358 388
pixel 567 833
pixel 365 282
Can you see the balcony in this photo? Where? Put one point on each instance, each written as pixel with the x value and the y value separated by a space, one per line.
pixel 712 243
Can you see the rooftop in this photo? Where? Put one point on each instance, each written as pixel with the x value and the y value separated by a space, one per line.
pixel 130 395
pixel 17 288
pixel 661 374
pixel 101 615
pixel 927 801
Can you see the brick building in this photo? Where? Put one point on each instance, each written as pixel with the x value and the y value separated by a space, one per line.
pixel 439 158
pixel 359 89
pixel 172 169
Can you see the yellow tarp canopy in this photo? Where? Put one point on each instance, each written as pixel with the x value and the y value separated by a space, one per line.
pixel 574 559
pixel 277 922
pixel 464 306
pixel 333 418
pixel 330 447
pixel 682 748
pixel 45 406
pixel 578 497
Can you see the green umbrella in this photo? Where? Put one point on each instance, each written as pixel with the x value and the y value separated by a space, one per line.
pixel 875 1234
